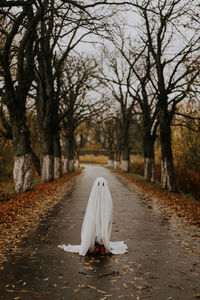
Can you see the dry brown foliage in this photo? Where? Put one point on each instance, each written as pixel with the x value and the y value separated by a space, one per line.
pixel 187 180
pixel 21 214
pixel 97 159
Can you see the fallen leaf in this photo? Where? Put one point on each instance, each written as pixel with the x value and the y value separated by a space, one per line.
pixel 88 268
pixel 94 288
pixel 100 291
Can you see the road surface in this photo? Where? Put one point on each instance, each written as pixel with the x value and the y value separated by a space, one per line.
pixel 162 260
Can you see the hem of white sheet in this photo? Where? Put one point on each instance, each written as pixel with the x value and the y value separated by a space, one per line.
pixel 115 248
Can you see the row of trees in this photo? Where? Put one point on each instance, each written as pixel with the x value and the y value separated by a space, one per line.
pixel 149 75
pixel 149 64
pixel 39 73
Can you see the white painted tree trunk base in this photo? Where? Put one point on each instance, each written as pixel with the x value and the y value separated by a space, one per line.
pixel 68 166
pixel 110 163
pixel 71 165
pixel 149 169
pixel 23 173
pixel 47 169
pixel 166 177
pixel 125 165
pixel 57 168
pixel 116 164
pixel 77 163
pixel 65 165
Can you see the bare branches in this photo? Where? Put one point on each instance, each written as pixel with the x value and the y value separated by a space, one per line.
pixel 78 78
pixel 98 3
pixel 7 3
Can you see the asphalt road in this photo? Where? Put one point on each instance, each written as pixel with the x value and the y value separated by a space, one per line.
pixel 162 260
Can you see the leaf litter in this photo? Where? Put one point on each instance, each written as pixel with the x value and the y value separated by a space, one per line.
pixel 21 213
pixel 178 203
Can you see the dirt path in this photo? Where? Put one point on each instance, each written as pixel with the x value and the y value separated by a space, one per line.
pixel 161 263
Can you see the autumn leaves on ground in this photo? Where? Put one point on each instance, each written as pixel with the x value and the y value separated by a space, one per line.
pixel 178 203
pixel 182 204
pixel 21 214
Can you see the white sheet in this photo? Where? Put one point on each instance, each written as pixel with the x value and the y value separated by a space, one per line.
pixel 97 223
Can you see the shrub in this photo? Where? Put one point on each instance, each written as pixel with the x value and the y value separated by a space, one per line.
pixel 187 180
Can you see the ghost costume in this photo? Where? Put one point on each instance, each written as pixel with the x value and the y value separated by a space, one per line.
pixel 97 223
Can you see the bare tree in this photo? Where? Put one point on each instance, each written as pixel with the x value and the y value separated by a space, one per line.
pixel 141 89
pixel 109 138
pixel 17 61
pixel 170 44
pixel 77 104
pixel 116 77
pixel 109 131
pixel 64 24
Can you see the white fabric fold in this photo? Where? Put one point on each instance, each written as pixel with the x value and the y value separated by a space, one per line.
pixel 115 248
pixel 97 223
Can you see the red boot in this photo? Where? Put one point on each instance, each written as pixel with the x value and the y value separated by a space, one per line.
pixel 103 250
pixel 96 249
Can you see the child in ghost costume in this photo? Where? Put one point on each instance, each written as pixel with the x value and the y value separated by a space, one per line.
pixel 97 224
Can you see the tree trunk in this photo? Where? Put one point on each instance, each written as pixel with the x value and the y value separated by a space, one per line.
pixel 23 166
pixel 17 64
pixel 77 163
pixel 47 158
pixel 47 166
pixel 45 102
pixel 69 153
pixel 149 160
pixel 126 160
pixel 57 167
pixel 36 162
pixel 124 142
pixel 68 166
pixel 65 165
pixel 116 164
pixel 167 165
pixel 57 157
pixel 116 160
pixel 23 173
pixel 110 163
pixel 111 160
pixel 44 105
